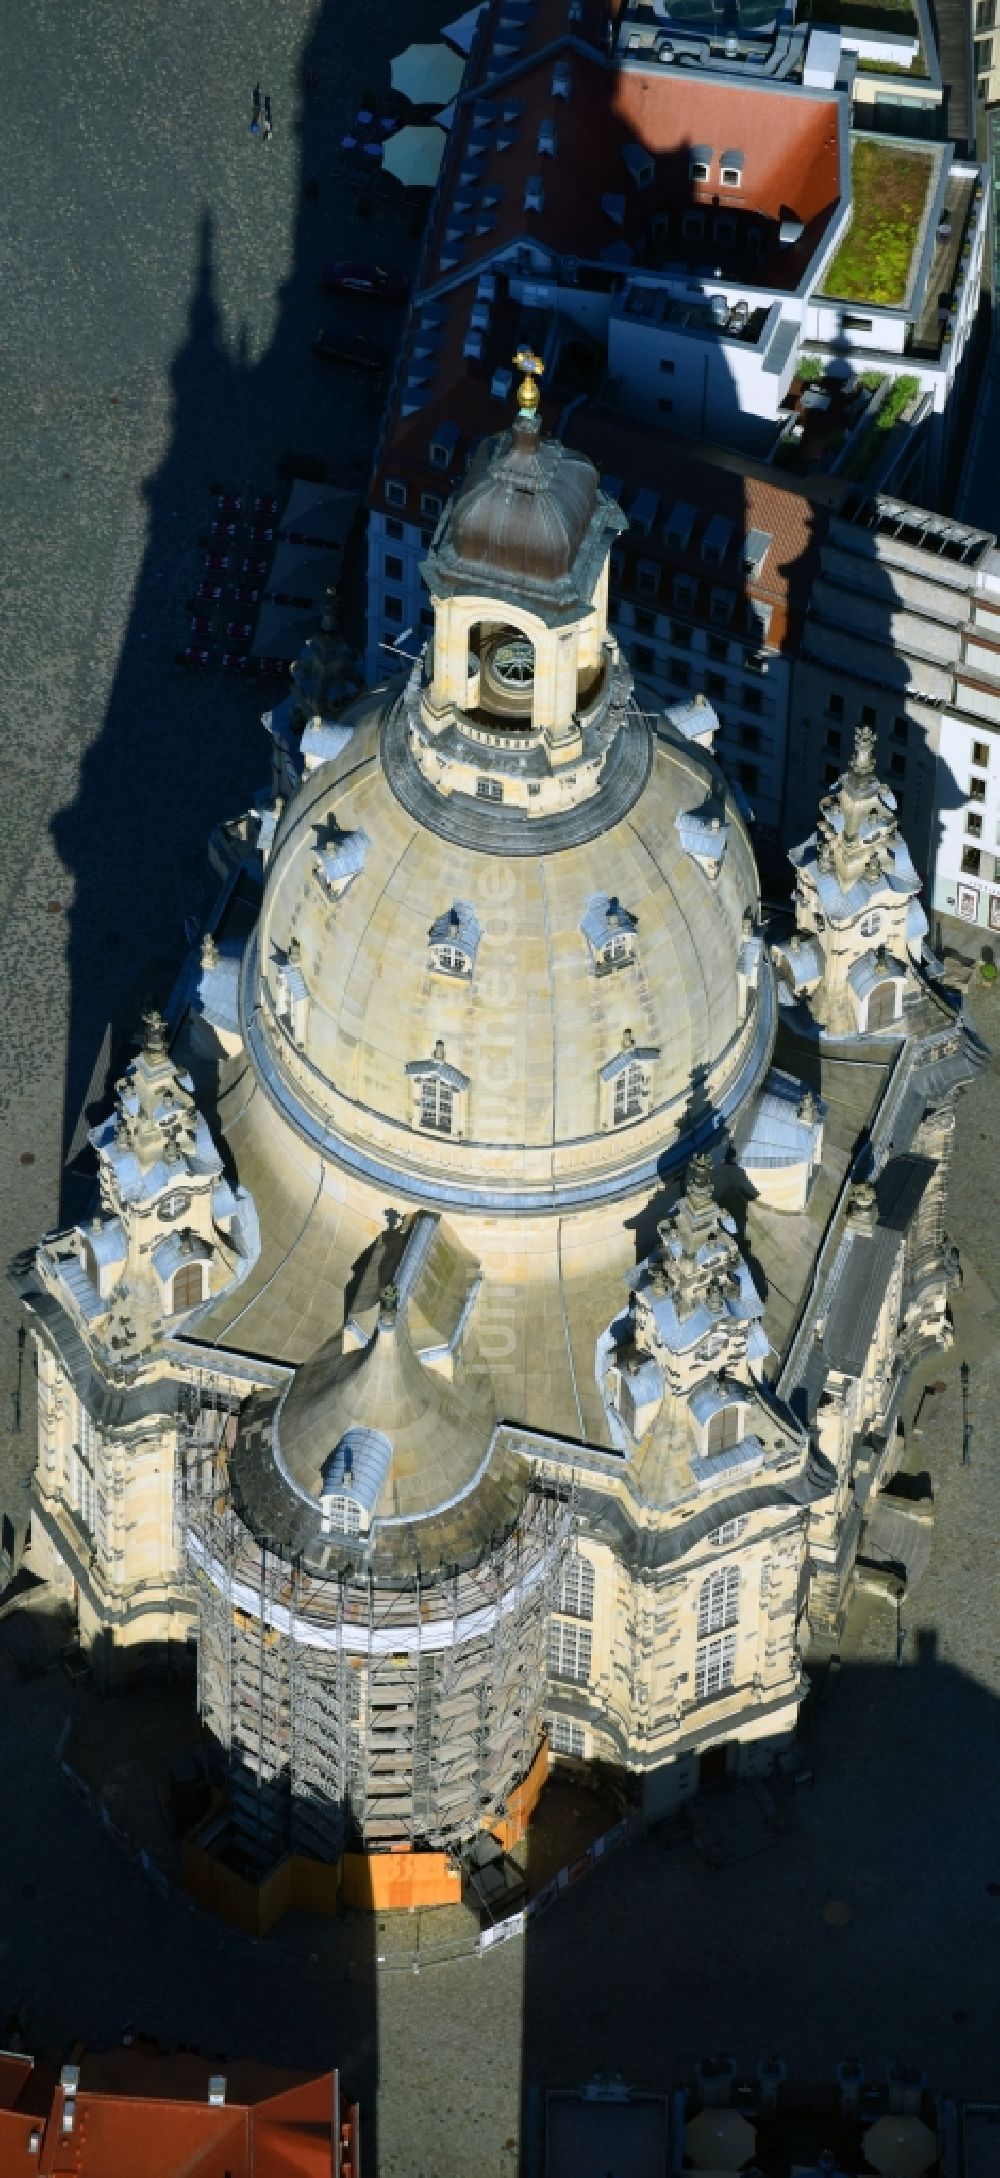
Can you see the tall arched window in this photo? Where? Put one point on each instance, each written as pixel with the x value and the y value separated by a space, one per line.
pixel 576 1590
pixel 437 1105
pixel 719 1601
pixel 630 1093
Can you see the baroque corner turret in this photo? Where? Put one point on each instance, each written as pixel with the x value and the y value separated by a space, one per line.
pixel 853 957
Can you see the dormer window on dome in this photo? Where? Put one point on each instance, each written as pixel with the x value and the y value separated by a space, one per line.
pixel 626 1083
pixel 454 941
pixel 341 861
pixel 610 932
pixel 439 1093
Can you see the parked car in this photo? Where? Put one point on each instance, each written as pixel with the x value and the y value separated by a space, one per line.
pixel 346 277
pixel 351 348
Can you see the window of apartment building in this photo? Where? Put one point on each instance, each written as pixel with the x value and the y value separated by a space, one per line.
pixel 752 699
pixel 667 365
pixel 897 766
pixel 984 55
pixel 981 754
pixel 721 606
pixel 680 634
pixel 647 578
pixel 427 617
pixel 693 226
pixel 830 773
pixel 393 568
pixel 977 789
pixel 570 1649
pixel 869 716
pixel 717 647
pixel 643 658
pixel 701 166
pixel 431 504
pixel 715 684
pixel 971 859
pixel 665 407
pixel 753 664
pixel 900 729
pixel 645 622
pixel 395 492
pixel 617 566
pixel 685 593
pixel 835 705
pixel 393 528
pixel 714 1666
pixel 986 15
pixel 973 824
pixel 832 740
pixel 393 608
pixel 750 737
pixel 748 776
pixel 680 674
pixel 489 790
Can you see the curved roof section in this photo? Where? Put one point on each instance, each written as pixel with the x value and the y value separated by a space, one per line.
pixel 523 1039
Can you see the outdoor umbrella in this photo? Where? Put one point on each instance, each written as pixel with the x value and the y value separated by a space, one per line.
pixel 719 2140
pixel 463 30
pixel 414 156
pixel 901 2147
pixel 428 75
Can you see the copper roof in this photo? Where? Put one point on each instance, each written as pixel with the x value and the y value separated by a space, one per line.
pixel 525 511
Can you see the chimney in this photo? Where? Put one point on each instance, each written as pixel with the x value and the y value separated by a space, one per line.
pixel 217 2089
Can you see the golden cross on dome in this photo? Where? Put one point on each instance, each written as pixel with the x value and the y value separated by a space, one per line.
pixel 528 396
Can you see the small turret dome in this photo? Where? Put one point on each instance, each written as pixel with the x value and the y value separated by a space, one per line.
pixel 525 510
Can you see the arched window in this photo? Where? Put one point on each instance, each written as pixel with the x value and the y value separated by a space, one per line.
pixel 187 1288
pixel 618 948
pixel 437 1105
pixel 719 1601
pixel 882 1005
pixel 870 925
pixel 576 1590
pixel 725 1427
pixel 630 1093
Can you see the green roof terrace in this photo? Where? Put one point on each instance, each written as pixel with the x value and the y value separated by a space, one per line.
pixel 892 185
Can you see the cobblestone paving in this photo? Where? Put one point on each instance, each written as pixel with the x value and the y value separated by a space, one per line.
pixel 160 273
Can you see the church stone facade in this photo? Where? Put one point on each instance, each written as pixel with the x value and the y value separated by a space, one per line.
pixel 489 1346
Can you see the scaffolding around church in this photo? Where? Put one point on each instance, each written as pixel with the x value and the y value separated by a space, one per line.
pixel 354 1710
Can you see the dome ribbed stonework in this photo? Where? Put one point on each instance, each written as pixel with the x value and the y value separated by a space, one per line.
pixel 526 511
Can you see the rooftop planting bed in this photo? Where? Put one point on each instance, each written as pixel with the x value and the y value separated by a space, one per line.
pixel 889 186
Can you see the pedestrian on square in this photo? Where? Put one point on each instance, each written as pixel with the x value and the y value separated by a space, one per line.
pixel 255 116
pixel 265 129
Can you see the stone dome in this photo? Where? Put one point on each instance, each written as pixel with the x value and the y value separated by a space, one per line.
pixel 525 508
pixel 451 1021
